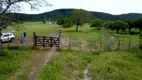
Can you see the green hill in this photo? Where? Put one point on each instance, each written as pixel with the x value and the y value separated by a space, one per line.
pixel 60 13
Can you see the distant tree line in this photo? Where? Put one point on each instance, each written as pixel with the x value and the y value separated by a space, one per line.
pixel 80 17
pixel 63 13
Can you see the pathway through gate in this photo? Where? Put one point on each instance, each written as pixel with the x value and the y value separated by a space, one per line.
pixel 46 41
pixel 31 69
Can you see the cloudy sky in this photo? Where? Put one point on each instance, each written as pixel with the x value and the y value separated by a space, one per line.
pixel 108 6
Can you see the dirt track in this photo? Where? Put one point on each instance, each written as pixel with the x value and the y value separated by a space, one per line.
pixel 33 66
pixel 16 42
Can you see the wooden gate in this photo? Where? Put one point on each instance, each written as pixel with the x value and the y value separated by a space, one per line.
pixel 45 41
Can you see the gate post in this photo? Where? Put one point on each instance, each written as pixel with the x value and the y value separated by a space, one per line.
pixel 34 39
pixel 59 45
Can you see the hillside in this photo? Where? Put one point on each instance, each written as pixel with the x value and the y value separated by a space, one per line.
pixel 60 13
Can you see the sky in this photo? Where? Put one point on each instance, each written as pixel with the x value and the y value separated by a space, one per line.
pixel 107 6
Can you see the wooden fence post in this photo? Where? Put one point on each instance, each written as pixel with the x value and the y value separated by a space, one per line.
pixel 119 44
pixel 34 39
pixel 43 41
pixel 129 44
pixel 59 39
pixel 70 42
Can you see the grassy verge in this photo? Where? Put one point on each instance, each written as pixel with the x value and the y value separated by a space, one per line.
pixel 69 65
pixel 117 65
pixel 108 65
pixel 11 59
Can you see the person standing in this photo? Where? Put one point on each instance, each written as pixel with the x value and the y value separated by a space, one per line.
pixel 21 38
pixel 24 34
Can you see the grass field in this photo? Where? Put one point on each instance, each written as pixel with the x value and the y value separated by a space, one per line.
pixel 70 64
pixel 85 32
pixel 30 27
pixel 91 34
pixel 117 65
pixel 11 59
pixel 95 37
pixel 108 65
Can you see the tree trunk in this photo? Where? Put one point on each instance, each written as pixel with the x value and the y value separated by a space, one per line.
pixel 129 30
pixel 117 31
pixel 78 21
pixel 77 27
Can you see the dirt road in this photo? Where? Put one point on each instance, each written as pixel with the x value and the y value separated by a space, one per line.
pixel 32 68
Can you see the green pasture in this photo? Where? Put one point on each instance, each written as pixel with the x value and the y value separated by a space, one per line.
pixel 110 65
pixel 70 64
pixel 85 32
pixel 91 34
pixel 30 27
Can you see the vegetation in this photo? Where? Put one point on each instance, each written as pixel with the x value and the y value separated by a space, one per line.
pixel 79 17
pixel 90 35
pixel 117 65
pixel 97 23
pixel 65 23
pixel 10 5
pixel 68 65
pixel 30 27
pixel 63 13
pixel 138 23
pixel 119 25
pixel 12 58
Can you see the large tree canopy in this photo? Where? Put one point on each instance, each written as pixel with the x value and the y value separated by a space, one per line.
pixel 138 23
pixel 80 17
pixel 12 5
pixel 118 25
pixel 97 23
pixel 8 5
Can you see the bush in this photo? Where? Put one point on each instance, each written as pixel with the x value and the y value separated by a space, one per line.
pixel 140 36
pixel 66 25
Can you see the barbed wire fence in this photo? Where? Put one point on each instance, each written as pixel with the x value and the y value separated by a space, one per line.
pixel 67 42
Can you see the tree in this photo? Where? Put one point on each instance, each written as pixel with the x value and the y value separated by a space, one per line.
pixel 97 23
pixel 10 5
pixel 79 17
pixel 60 21
pixel 65 22
pixel 118 25
pixel 138 23
pixel 130 25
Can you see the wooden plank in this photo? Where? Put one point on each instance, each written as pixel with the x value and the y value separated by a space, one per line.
pixel 47 41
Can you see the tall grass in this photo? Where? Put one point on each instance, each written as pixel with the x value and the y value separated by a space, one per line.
pixel 117 65
pixel 69 65
pixel 11 59
pixel 107 65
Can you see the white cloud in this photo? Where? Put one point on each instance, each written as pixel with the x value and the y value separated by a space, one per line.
pixel 108 6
